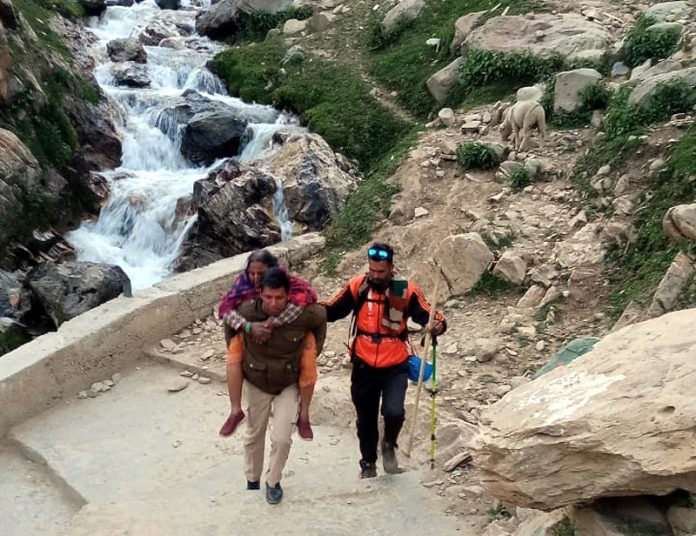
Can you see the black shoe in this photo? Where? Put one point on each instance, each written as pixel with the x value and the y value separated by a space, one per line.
pixel 274 494
pixel 391 464
pixel 253 484
pixel 368 469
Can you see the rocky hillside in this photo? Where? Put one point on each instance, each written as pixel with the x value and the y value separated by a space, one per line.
pixel 532 245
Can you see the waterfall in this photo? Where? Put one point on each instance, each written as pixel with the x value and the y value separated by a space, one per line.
pixel 143 224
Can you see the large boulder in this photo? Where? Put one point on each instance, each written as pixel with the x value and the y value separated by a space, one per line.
pixel 401 14
pixel 674 284
pixel 94 8
pixel 463 258
pixel 168 4
pixel 69 289
pixel 680 223
pixel 99 141
pixel 212 135
pixel 316 181
pixel 647 70
pixel 570 86
pixel 233 205
pixel 126 49
pixel 463 27
pixel 511 268
pixel 154 32
pixel 444 81
pixel 618 421
pixel 646 88
pixel 662 12
pixel 130 74
pixel 225 18
pixel 544 34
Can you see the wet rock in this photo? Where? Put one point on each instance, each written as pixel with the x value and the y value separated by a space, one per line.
pixel 212 135
pixel 69 289
pixel 130 74
pixel 168 4
pixel 127 49
pixel 94 8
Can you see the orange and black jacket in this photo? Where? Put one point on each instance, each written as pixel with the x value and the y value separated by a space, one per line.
pixel 375 344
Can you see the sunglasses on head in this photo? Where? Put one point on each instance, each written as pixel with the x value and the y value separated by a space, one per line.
pixel 378 254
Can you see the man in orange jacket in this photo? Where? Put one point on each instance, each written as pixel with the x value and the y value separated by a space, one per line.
pixel 382 304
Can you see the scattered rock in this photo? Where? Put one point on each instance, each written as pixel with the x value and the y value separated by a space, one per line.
pixel 204 380
pixel 127 49
pixel 463 27
pixel 510 267
pixel 680 223
pixel 178 385
pixel 444 81
pixel 446 115
pixel 420 212
pixel 186 373
pixel 169 345
pixel 486 349
pixel 403 13
pixel 457 460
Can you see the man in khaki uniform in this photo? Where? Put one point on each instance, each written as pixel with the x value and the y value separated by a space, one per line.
pixel 270 373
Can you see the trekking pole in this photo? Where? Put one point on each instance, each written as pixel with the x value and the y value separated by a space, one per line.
pixel 433 414
pixel 421 372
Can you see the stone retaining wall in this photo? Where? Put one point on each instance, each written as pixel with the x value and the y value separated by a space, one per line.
pixel 106 339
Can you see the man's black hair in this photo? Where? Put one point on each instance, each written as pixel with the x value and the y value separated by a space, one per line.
pixel 264 257
pixel 276 278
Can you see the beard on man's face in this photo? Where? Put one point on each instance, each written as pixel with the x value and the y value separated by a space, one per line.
pixel 378 284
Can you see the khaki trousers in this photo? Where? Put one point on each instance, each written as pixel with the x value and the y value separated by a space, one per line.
pixel 258 406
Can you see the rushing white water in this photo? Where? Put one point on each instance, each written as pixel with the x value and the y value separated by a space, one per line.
pixel 146 219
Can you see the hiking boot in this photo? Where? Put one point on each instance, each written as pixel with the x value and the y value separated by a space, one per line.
pixel 231 423
pixel 274 494
pixel 391 465
pixel 304 429
pixel 368 469
pixel 253 485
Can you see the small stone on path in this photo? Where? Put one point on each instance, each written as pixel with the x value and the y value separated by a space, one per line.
pixel 177 385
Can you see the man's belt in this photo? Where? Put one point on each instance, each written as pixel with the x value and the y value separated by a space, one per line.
pixel 379 337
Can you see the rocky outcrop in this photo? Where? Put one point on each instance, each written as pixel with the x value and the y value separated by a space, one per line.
pixel 19 173
pixel 128 49
pixel 226 17
pixel 8 15
pixel 316 181
pixel 156 31
pixel 573 434
pixel 663 11
pixel 212 135
pixel 68 289
pixel 675 282
pixel 646 88
pixel 401 14
pixel 234 214
pixel 544 34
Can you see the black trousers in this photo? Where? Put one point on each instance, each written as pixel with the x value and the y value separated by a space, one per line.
pixel 368 384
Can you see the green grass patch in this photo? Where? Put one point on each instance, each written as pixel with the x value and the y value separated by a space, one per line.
pixel 403 62
pixel 639 270
pixel 257 25
pixel 474 155
pixel 49 134
pixel 625 122
pixel 38 14
pixel 497 244
pixel 35 210
pixel 643 44
pixel 564 528
pixel 330 98
pixel 520 179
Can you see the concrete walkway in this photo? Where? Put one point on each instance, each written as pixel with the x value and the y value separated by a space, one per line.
pixel 139 460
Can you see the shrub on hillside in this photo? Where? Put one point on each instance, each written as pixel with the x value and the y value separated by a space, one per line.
pixel 257 25
pixel 485 67
pixel 471 155
pixel 643 44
